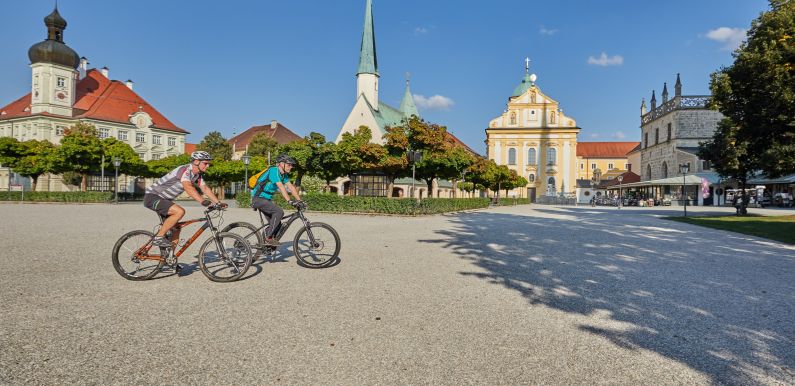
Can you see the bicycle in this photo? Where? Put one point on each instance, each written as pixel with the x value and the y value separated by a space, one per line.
pixel 224 257
pixel 312 244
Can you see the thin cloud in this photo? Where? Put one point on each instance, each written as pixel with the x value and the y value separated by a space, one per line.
pixel 595 135
pixel 547 32
pixel 604 60
pixel 420 31
pixel 619 135
pixel 436 102
pixel 730 37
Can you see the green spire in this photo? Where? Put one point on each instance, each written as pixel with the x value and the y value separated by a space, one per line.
pixel 368 63
pixel 407 106
pixel 527 81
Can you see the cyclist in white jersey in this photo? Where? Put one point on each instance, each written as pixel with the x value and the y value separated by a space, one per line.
pixel 160 196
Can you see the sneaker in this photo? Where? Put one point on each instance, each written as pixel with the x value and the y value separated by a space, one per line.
pixel 271 242
pixel 161 242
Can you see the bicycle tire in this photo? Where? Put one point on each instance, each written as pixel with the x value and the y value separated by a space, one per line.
pixel 234 255
pixel 122 254
pixel 303 248
pixel 249 232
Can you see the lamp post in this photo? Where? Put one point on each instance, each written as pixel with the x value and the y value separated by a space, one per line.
pixel 620 196
pixel 684 168
pixel 116 164
pixel 246 160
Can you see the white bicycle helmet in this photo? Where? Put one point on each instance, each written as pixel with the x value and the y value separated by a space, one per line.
pixel 201 156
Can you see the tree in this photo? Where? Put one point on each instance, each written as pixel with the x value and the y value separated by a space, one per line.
pixel 222 173
pixel 215 144
pixel 37 158
pixel 357 153
pixel 394 163
pixel 326 164
pixel 10 151
pixel 731 157
pixel 302 151
pixel 262 144
pixel 131 163
pixel 431 139
pixel 514 181
pixel 159 167
pixel 80 151
pixel 756 94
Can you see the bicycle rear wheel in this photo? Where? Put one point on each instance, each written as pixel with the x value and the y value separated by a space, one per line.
pixel 133 257
pixel 248 232
pixel 317 246
pixel 225 257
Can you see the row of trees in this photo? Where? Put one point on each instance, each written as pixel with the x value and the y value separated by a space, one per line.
pixel 756 94
pixel 81 153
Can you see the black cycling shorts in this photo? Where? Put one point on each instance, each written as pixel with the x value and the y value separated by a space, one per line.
pixel 157 204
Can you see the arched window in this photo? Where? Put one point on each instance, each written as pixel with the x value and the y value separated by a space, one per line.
pixel 511 156
pixel 656 135
pixel 531 177
pixel 669 131
pixel 531 156
pixel 664 170
pixel 552 156
pixel 513 117
pixel 645 140
pixel 648 172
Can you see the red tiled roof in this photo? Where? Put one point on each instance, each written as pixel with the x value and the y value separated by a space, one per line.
pixel 458 142
pixel 190 148
pixel 280 134
pixel 629 177
pixel 100 98
pixel 605 149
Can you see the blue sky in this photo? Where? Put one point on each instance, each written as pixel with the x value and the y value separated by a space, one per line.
pixel 230 65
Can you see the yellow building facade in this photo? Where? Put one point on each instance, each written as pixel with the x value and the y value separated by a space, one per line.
pixel 534 138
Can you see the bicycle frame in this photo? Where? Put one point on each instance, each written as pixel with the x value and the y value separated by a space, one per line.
pixel 286 222
pixel 143 253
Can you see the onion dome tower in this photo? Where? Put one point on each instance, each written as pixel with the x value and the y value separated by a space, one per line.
pixel 53 65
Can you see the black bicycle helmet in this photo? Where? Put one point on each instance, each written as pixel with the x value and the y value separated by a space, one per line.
pixel 286 159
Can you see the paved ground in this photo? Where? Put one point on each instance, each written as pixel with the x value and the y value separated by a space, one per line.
pixel 515 295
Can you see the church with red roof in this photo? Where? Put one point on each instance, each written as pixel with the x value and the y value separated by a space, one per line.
pixel 64 91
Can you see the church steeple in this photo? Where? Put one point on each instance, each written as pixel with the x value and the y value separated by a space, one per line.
pixel 367 74
pixel 407 106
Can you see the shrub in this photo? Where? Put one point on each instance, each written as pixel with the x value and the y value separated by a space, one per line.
pixel 73 197
pixel 328 202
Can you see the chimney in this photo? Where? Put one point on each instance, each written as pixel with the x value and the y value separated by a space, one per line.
pixel 129 84
pixel 274 124
pixel 83 68
pixel 105 72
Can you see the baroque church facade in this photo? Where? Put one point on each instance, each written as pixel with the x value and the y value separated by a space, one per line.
pixel 64 91
pixel 536 139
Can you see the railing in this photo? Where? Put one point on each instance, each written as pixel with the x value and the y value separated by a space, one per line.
pixel 677 103
pixel 558 199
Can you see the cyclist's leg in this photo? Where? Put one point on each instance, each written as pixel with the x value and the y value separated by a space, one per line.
pixel 175 213
pixel 270 210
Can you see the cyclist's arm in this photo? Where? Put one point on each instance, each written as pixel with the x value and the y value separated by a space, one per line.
pixel 209 192
pixel 293 190
pixel 192 192
pixel 282 190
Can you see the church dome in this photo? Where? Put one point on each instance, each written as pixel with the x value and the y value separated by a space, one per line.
pixel 527 82
pixel 53 50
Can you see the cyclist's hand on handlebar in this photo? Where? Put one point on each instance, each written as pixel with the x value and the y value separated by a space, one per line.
pixel 298 204
pixel 221 205
pixel 206 203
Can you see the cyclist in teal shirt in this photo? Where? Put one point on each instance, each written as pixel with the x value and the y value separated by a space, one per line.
pixel 276 178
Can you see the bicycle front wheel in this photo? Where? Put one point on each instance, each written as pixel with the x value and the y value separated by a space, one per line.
pixel 248 232
pixel 133 257
pixel 317 246
pixel 225 257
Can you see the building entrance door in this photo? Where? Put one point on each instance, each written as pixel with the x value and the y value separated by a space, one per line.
pixel 531 194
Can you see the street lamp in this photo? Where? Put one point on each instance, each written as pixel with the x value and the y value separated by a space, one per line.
pixel 116 164
pixel 684 168
pixel 414 157
pixel 620 196
pixel 246 160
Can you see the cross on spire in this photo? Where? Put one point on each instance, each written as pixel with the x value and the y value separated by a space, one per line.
pixel 526 64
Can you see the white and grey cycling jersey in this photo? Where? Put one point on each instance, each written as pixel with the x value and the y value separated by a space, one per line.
pixel 170 185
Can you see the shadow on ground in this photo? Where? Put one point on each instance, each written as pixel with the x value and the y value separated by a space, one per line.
pixel 719 302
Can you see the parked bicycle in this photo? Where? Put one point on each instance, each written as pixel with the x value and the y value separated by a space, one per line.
pixel 224 257
pixel 316 245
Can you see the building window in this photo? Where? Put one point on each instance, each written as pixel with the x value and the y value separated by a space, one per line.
pixel 593 166
pixel 513 117
pixel 61 82
pixel 122 135
pixel 172 141
pixel 609 166
pixel 511 156
pixel 648 172
pixel 531 177
pixel 155 156
pixel 645 140
pixel 531 157
pixel 140 138
pixel 664 170
pixel 156 140
pixel 552 156
pixel 656 136
pixel 533 115
pixel 59 130
pixel 669 132
pixel 142 155
pixel 103 132
pixel 705 165
pixel 628 167
pixel 582 166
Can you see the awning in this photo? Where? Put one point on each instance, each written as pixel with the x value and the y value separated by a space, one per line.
pixel 690 179
pixel 790 179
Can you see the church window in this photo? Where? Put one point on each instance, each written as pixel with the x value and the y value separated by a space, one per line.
pixel 664 170
pixel 511 156
pixel 669 132
pixel 172 141
pixel 648 172
pixel 531 177
pixel 140 138
pixel 61 82
pixel 104 132
pixel 551 156
pixel 156 140
pixel 645 140
pixel 609 166
pixel 531 156
pixel 122 135
pixel 513 117
pixel 656 135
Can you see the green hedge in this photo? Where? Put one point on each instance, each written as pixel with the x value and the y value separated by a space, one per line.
pixel 77 197
pixel 514 201
pixel 405 206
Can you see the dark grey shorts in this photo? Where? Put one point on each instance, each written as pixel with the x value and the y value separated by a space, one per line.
pixel 157 204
